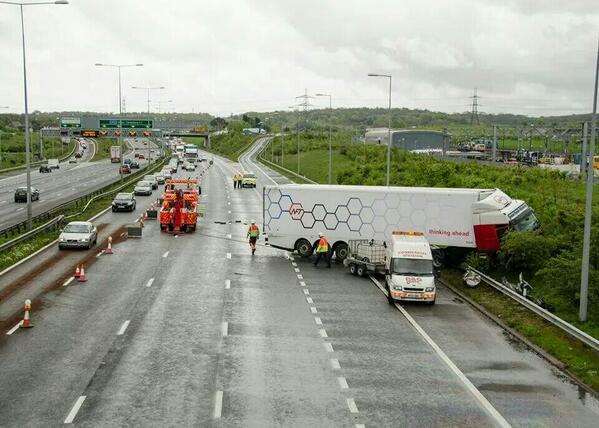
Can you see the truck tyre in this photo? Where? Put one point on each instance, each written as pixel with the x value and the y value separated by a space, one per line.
pixel 303 247
pixel 352 269
pixel 438 258
pixel 341 251
pixel 361 271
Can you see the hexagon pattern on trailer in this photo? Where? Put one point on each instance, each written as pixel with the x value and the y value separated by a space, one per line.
pixel 354 206
pixel 342 213
pixel 319 212
pixel 274 211
pixel 285 202
pixel 330 221
pixel 354 223
pixel 307 220
pixel 366 215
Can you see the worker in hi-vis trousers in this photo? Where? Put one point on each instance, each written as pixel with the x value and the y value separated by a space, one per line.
pixel 253 234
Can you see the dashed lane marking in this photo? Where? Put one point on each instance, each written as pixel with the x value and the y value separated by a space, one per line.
pixel 71 416
pixel 317 320
pixel 227 284
pixel 68 281
pixel 335 364
pixel 15 328
pixel 165 255
pixel 306 291
pixel 296 270
pixel 302 283
pixel 360 426
pixel 300 276
pixel 342 382
pixel 322 332
pixel 123 328
pixel 328 347
pixel 228 235
pixel 352 405
pixel 294 264
pixel 309 300
pixel 150 282
pixel 313 309
pixel 224 328
pixel 100 253
pixel 218 404
pixel 228 255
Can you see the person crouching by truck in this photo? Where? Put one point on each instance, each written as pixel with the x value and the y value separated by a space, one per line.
pixel 322 248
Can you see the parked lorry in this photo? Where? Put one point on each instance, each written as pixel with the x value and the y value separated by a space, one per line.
pixel 179 210
pixel 461 219
pixel 115 154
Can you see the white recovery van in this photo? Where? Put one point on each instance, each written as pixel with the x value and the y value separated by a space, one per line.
pixel 294 214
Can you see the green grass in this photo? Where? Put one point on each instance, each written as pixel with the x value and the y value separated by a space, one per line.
pixel 103 148
pixel 231 145
pixel 12 148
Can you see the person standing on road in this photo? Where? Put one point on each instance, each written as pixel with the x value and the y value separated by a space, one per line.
pixel 253 234
pixel 235 178
pixel 322 250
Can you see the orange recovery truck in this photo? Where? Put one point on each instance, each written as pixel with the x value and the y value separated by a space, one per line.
pixel 179 210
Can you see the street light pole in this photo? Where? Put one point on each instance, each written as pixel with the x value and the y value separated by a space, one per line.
pixel 27 148
pixel 389 131
pixel 330 134
pixel 586 243
pixel 148 89
pixel 3 108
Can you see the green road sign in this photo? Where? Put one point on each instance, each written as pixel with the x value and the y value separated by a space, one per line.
pixel 127 123
pixel 70 122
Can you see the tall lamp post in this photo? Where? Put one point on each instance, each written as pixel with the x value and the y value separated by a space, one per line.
pixel 120 128
pixel 1 108
pixel 160 104
pixel 388 76
pixel 148 89
pixel 330 135
pixel 27 151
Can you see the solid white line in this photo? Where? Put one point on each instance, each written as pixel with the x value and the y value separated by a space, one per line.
pixel 227 284
pixel 342 382
pixel 317 320
pixel 150 282
pixel 123 328
pixel 306 291
pixel 309 300
pixel 322 332
pixel 335 364
pixel 469 386
pixel 328 347
pixel 228 255
pixel 15 328
pixel 165 255
pixel 302 283
pixel 313 310
pixel 224 328
pixel 218 404
pixel 74 410
pixel 352 405
pixel 68 281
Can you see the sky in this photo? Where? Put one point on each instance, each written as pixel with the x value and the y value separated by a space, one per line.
pixel 534 57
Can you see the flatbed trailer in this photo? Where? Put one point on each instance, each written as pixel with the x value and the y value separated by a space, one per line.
pixel 366 257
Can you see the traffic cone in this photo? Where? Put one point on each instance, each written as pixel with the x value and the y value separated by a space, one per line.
pixel 82 277
pixel 77 272
pixel 108 249
pixel 145 215
pixel 26 323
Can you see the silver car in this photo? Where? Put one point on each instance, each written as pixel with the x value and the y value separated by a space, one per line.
pixel 143 188
pixel 152 179
pixel 78 234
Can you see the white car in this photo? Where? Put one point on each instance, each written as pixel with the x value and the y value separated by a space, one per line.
pixel 189 166
pixel 143 188
pixel 78 234
pixel 166 173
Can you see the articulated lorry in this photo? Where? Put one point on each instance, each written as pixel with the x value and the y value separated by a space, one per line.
pixel 293 215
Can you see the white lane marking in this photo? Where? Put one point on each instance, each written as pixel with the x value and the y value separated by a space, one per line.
pixel 224 328
pixel 309 300
pixel 100 253
pixel 317 320
pixel 150 282
pixel 228 255
pixel 313 309
pixel 15 328
pixel 165 255
pixel 294 264
pixel 228 203
pixel 229 211
pixel 68 281
pixel 342 382
pixel 291 258
pixel 71 416
pixel 227 284
pixel 322 332
pixel 352 405
pixel 306 291
pixel 218 404
pixel 296 269
pixel 335 364
pixel 328 347
pixel 469 386
pixel 300 276
pixel 302 283
pixel 19 209
pixel 360 426
pixel 228 235
pixel 123 328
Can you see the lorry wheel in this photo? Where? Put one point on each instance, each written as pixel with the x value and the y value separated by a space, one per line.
pixel 352 269
pixel 361 271
pixel 341 251
pixel 438 258
pixel 303 247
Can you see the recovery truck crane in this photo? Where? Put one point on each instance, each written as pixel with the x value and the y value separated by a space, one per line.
pixel 179 210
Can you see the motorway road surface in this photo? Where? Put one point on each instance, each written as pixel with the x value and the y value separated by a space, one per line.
pixel 61 185
pixel 194 331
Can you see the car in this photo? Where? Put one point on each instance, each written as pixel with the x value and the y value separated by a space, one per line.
pixel 45 168
pixel 127 162
pixel 124 202
pixel 166 173
pixel 124 169
pixel 143 188
pixel 78 234
pixel 72 160
pixel 21 194
pixel 78 154
pixel 140 156
pixel 152 179
pixel 134 165
pixel 160 178
pixel 190 167
pixel 248 180
pixel 136 155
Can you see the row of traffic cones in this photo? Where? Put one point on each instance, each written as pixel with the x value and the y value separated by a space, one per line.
pixel 80 273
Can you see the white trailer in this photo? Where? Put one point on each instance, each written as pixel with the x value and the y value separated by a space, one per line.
pixel 294 214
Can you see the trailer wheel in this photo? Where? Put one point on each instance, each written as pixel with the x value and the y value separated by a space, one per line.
pixel 352 269
pixel 303 247
pixel 361 270
pixel 341 251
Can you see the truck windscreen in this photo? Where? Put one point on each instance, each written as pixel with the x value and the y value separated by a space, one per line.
pixel 525 221
pixel 411 266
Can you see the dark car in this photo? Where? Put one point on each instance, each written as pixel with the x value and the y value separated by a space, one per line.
pixel 21 194
pixel 124 169
pixel 134 165
pixel 127 161
pixel 123 202
pixel 78 154
pixel 45 168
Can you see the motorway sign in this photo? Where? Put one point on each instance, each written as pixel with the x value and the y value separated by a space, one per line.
pixel 90 133
pixel 127 123
pixel 70 122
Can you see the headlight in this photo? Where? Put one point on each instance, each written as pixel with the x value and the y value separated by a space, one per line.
pixel 396 287
pixel 429 289
pixel 84 239
pixel 62 239
pixel 113 203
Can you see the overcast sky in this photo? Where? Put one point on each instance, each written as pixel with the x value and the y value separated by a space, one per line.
pixel 525 56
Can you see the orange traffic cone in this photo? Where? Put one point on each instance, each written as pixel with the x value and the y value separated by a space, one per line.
pixel 145 215
pixel 108 249
pixel 82 277
pixel 77 272
pixel 26 323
